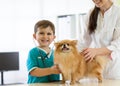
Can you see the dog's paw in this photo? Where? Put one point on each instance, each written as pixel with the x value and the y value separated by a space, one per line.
pixel 67 82
pixel 100 81
pixel 72 82
pixel 62 81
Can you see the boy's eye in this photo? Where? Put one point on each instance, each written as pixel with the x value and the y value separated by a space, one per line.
pixel 41 33
pixel 49 33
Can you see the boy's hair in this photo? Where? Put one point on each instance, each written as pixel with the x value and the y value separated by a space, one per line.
pixel 44 24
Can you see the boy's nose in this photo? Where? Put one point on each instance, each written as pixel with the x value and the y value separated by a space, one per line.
pixel 45 35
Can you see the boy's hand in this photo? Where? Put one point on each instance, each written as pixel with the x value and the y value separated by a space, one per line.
pixel 55 69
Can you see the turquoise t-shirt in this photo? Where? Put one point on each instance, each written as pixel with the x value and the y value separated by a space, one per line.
pixel 37 57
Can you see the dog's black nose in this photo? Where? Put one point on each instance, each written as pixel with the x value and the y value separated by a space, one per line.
pixel 64 45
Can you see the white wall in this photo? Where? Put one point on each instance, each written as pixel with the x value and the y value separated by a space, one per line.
pixel 54 8
pixel 62 7
pixel 17 19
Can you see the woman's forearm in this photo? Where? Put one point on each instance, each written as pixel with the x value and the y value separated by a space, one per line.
pixel 103 51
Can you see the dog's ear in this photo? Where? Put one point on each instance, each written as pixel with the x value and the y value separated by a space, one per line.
pixel 74 42
pixel 56 44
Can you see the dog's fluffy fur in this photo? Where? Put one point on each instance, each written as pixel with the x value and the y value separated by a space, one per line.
pixel 72 63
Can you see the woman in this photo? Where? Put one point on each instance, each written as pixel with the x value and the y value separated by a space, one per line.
pixel 102 36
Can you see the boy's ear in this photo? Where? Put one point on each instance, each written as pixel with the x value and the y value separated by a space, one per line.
pixel 54 37
pixel 34 36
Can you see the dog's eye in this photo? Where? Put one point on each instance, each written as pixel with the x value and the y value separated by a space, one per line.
pixel 67 44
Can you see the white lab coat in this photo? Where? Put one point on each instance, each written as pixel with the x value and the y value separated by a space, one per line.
pixel 107 34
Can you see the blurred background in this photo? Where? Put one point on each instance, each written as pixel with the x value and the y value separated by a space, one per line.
pixel 17 20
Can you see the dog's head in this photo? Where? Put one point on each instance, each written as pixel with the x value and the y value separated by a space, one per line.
pixel 65 46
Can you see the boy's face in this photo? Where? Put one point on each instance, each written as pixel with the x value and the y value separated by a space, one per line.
pixel 44 36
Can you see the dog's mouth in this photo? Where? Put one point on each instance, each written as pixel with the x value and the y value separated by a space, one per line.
pixel 65 48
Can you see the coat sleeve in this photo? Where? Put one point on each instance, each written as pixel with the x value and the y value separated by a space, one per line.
pixel 115 43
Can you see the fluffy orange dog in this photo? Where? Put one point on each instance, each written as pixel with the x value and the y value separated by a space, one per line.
pixel 72 63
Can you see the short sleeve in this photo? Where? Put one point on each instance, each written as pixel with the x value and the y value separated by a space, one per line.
pixel 31 61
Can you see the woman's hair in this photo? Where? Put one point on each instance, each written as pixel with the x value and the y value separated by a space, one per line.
pixel 44 24
pixel 93 20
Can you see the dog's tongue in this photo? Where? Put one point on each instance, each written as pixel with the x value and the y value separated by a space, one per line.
pixel 65 48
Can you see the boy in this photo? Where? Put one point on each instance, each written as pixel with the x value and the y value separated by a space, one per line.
pixel 40 63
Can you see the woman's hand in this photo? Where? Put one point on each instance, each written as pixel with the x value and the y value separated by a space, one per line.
pixel 89 53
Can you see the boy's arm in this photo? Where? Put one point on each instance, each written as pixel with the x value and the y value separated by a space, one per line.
pixel 45 71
